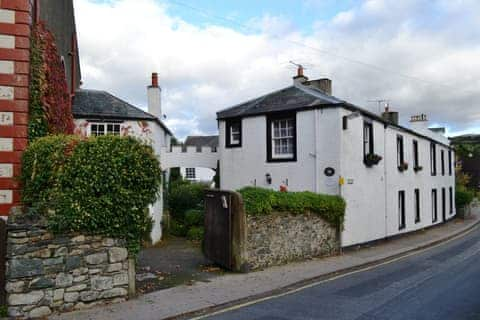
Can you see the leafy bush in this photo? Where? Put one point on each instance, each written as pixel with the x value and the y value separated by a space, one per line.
pixel 259 201
pixel 195 233
pixel 463 197
pixel 3 311
pixel 177 228
pixel 42 164
pixel 184 195
pixel 194 217
pixel 100 185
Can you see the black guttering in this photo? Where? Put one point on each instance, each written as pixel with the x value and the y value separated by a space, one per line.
pixel 347 106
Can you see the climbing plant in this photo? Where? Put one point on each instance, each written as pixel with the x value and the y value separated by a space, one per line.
pixel 50 109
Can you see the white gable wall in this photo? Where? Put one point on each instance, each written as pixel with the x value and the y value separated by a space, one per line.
pixel 247 165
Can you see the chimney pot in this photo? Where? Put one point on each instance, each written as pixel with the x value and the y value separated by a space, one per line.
pixel 300 71
pixel 155 80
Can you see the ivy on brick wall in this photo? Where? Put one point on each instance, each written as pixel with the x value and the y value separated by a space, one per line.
pixel 50 110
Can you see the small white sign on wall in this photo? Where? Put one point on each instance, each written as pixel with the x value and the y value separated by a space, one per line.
pixel 6 144
pixel 6 196
pixel 6 93
pixel 6 170
pixel 6 118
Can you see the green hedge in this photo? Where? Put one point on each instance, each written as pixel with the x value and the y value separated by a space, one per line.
pixel 184 195
pixel 99 185
pixel 42 164
pixel 260 201
pixel 463 197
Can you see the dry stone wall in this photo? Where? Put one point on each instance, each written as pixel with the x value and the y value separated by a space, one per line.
pixel 48 273
pixel 279 238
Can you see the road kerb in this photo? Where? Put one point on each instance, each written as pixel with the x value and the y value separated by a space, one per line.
pixel 304 284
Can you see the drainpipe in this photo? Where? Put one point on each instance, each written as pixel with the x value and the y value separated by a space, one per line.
pixel 385 175
pixel 317 133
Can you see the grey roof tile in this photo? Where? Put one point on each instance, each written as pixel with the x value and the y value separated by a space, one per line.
pixel 202 141
pixel 89 103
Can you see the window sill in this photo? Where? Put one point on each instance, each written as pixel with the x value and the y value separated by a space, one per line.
pixel 282 160
pixel 231 146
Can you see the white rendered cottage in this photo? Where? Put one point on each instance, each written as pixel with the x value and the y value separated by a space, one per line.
pixel 100 113
pixel 200 174
pixel 303 138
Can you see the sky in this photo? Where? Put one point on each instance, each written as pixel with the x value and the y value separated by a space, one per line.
pixel 420 55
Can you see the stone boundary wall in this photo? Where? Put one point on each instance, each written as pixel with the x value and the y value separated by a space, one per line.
pixel 47 273
pixel 279 238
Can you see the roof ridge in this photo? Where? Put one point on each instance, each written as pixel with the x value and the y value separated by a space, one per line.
pixel 254 99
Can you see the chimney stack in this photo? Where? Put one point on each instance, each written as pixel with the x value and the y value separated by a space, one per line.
pixel 390 116
pixel 154 97
pixel 324 85
pixel 299 78
pixel 419 122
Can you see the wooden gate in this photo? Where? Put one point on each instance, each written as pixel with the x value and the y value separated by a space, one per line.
pixel 3 256
pixel 224 228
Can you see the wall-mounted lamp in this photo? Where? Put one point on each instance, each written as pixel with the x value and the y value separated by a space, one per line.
pixel 268 178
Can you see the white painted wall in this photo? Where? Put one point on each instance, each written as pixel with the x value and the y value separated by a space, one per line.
pixel 176 156
pixel 204 175
pixel 247 165
pixel 371 193
pixel 153 134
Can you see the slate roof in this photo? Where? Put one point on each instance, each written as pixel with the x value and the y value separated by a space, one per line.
pixel 202 141
pixel 299 98
pixel 99 104
pixel 290 98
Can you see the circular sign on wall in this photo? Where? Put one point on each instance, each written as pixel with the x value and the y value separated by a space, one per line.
pixel 329 171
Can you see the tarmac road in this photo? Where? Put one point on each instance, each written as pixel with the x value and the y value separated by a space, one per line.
pixel 439 283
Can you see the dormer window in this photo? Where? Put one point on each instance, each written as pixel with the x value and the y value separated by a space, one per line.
pixel 234 133
pixel 281 138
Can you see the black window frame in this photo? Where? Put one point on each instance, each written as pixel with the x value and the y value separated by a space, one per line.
pixel 450 162
pixel 228 128
pixel 434 206
pixel 187 177
pixel 444 204
pixel 371 149
pixel 433 159
pixel 442 159
pixel 450 196
pixel 400 152
pixel 281 116
pixel 416 199
pixel 416 162
pixel 401 210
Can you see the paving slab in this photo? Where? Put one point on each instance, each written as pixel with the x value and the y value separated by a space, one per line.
pixel 235 288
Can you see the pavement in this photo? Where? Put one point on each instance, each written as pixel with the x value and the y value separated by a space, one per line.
pixel 175 261
pixel 187 301
pixel 440 283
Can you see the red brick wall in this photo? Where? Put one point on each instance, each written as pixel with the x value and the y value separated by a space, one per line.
pixel 15 28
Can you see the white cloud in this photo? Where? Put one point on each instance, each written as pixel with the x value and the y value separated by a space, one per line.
pixel 205 69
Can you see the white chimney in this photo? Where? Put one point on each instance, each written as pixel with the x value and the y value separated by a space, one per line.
pixel 154 97
pixel 419 123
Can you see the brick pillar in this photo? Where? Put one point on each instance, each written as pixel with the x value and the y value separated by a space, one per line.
pixel 15 28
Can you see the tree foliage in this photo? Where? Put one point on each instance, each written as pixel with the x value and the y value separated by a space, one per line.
pixel 98 185
pixel 50 103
